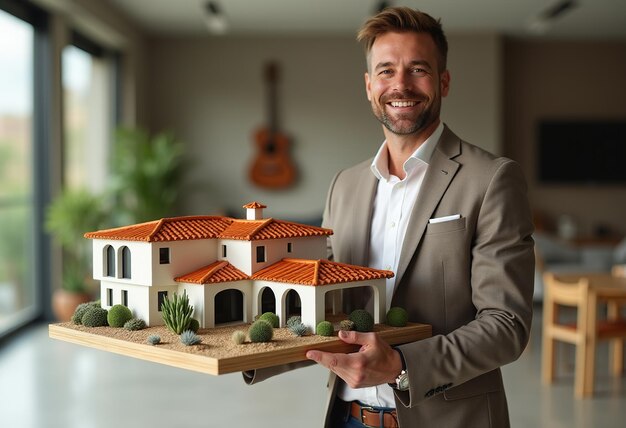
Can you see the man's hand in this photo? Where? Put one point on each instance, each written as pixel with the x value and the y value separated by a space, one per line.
pixel 375 363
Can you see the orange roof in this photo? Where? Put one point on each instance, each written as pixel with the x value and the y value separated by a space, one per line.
pixel 254 205
pixel 318 272
pixel 213 273
pixel 167 229
pixel 270 229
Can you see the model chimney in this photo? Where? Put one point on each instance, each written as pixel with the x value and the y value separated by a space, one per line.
pixel 254 211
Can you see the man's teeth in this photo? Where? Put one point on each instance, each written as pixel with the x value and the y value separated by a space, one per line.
pixel 403 103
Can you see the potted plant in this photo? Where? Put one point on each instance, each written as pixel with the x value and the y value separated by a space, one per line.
pixel 69 216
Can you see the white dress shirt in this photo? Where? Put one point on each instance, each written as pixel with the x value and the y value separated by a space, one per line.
pixel 393 205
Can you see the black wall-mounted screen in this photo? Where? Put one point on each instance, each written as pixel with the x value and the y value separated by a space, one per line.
pixel 582 152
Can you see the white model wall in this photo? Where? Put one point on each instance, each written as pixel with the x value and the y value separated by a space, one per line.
pixel 185 257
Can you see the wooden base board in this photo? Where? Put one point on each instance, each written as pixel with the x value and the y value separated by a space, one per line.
pixel 237 362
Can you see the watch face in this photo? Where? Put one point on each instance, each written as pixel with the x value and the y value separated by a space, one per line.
pixel 403 381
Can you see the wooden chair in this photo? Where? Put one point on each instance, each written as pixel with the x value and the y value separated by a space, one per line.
pixel 585 333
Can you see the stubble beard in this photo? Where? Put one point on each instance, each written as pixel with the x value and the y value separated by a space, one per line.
pixel 399 126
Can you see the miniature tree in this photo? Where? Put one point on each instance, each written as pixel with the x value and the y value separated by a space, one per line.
pixel 363 320
pixel 118 315
pixel 261 331
pixel 325 328
pixel 397 317
pixel 95 317
pixel 177 312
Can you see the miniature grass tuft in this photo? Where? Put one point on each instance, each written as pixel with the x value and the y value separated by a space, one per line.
pixel 134 324
pixel 177 312
pixel 189 338
pixel 154 339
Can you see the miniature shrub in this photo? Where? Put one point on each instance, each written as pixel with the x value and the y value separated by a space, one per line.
pixel 346 325
pixel 299 329
pixel 397 317
pixel 95 317
pixel 272 318
pixel 118 315
pixel 325 328
pixel 238 337
pixel 363 320
pixel 261 331
pixel 189 338
pixel 294 320
pixel 177 312
pixel 77 316
pixel 194 325
pixel 135 324
pixel 154 339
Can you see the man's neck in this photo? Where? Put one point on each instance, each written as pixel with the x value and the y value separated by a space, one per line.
pixel 401 147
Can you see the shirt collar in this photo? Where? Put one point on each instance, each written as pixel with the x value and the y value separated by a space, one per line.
pixel 380 164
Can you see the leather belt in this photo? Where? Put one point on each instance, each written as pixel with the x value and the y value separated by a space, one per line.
pixel 371 417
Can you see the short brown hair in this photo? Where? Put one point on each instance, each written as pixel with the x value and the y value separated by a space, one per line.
pixel 404 19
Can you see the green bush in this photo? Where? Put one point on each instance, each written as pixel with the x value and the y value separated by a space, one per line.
pixel 118 315
pixel 272 318
pixel 177 312
pixel 194 325
pixel 134 324
pixel 95 317
pixel 261 331
pixel 77 316
pixel 397 317
pixel 325 328
pixel 363 320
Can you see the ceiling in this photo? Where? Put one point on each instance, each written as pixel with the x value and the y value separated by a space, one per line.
pixel 589 19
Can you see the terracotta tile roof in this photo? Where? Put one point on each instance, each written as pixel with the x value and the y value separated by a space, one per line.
pixel 318 272
pixel 214 273
pixel 270 229
pixel 254 205
pixel 167 229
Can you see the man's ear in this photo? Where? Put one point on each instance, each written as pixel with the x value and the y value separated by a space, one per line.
pixel 368 89
pixel 445 83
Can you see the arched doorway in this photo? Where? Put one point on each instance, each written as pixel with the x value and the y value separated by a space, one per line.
pixel 293 304
pixel 268 301
pixel 228 306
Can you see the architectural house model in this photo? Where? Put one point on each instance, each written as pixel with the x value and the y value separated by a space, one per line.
pixel 231 269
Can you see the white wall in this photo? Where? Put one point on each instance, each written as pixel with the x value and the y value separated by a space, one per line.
pixel 210 92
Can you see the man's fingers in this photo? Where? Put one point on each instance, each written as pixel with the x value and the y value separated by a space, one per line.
pixel 327 359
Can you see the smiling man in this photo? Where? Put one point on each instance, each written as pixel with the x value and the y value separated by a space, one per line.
pixel 453 223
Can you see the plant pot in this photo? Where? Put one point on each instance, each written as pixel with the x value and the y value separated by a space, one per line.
pixel 64 303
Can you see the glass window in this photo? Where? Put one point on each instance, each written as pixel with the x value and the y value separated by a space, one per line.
pixel 260 254
pixel 18 291
pixel 88 118
pixel 110 261
pixel 125 297
pixel 164 256
pixel 126 268
pixel 161 296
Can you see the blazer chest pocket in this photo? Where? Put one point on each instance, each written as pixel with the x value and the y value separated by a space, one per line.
pixel 446 226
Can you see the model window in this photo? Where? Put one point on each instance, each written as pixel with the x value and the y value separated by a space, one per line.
pixel 223 250
pixel 161 296
pixel 164 256
pixel 260 254
pixel 109 261
pixel 125 297
pixel 109 297
pixel 126 262
pixel 289 247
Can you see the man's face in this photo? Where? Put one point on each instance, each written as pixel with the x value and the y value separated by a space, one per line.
pixel 403 82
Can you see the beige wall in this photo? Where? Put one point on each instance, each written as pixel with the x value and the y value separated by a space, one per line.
pixel 565 80
pixel 210 92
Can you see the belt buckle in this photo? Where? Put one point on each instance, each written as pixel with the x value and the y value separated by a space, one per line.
pixel 370 409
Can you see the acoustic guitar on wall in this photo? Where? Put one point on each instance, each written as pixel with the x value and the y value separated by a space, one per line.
pixel 272 168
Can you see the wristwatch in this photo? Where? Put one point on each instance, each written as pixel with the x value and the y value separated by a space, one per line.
pixel 402 381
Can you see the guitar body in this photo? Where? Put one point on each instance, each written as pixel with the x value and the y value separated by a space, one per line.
pixel 272 168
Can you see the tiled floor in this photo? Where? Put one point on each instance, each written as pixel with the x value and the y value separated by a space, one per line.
pixel 45 383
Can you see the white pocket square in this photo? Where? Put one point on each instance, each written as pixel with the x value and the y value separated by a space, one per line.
pixel 446 218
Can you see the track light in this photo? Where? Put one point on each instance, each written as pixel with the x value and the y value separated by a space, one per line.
pixel 214 18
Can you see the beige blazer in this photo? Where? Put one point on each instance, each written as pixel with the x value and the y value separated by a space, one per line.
pixel 471 279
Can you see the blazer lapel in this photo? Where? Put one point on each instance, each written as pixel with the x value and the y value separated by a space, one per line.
pixel 362 217
pixel 440 173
